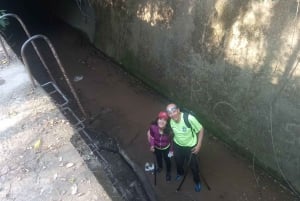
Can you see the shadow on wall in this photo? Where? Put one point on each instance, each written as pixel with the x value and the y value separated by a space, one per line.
pixel 235 63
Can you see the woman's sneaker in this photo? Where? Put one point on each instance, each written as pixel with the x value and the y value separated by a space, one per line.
pixel 168 177
pixel 149 167
pixel 198 187
pixel 178 177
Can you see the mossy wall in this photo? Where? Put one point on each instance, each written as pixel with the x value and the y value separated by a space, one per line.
pixel 235 63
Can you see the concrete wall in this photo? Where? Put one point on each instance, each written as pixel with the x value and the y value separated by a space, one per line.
pixel 235 63
pixel 79 14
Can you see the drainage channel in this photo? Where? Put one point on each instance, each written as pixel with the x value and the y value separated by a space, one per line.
pixel 130 182
pixel 125 176
pixel 127 179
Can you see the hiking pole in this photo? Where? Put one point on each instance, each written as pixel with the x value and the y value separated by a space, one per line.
pixel 202 177
pixel 154 170
pixel 185 172
pixel 204 180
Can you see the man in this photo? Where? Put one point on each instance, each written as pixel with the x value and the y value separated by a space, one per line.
pixel 187 142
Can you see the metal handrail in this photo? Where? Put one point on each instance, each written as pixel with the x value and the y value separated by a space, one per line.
pixel 34 46
pixel 39 36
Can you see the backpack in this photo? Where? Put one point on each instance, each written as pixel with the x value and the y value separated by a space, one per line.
pixel 187 122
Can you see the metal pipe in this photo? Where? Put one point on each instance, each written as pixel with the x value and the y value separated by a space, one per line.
pixel 27 65
pixel 59 64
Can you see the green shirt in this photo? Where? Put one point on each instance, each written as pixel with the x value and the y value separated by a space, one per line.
pixel 183 135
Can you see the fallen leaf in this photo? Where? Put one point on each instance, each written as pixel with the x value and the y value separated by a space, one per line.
pixel 72 180
pixel 37 144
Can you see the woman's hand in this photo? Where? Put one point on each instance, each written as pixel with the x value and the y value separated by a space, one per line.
pixel 152 149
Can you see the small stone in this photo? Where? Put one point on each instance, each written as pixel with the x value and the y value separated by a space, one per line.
pixel 74 189
pixel 4 170
pixel 80 194
pixel 69 165
pixel 55 176
pixel 63 179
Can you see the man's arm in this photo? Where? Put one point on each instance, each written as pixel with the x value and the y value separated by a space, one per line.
pixel 197 148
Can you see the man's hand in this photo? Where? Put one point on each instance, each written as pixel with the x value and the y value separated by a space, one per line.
pixel 196 149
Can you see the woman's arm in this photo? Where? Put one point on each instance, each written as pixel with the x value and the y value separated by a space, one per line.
pixel 149 136
pixel 150 140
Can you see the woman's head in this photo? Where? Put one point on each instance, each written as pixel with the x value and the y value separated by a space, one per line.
pixel 162 119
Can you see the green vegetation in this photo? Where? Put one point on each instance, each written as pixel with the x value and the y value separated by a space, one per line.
pixel 3 21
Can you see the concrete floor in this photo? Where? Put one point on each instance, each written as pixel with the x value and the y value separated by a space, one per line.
pixel 38 161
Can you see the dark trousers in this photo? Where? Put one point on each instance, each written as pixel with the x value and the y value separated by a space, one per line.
pixel 182 155
pixel 163 154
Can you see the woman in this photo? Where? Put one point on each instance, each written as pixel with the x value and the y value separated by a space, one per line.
pixel 159 137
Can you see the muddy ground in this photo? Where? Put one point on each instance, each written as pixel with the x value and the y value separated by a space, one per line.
pixel 121 107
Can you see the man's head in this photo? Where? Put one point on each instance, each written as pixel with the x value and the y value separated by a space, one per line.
pixel 173 112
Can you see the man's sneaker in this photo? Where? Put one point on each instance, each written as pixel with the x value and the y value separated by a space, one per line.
pixel 158 170
pixel 197 187
pixel 168 177
pixel 178 177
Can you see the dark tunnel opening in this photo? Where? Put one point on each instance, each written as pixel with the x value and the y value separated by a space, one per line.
pixel 36 15
pixel 38 18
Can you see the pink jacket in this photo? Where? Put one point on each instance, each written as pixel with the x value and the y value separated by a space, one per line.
pixel 160 141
